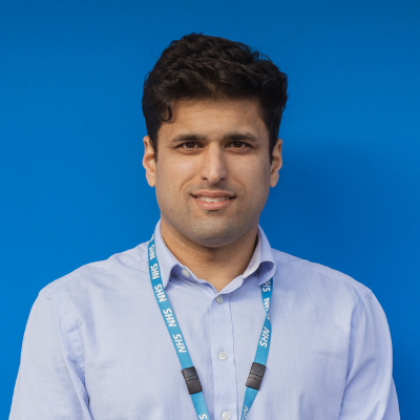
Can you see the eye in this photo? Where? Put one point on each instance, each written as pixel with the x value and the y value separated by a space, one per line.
pixel 188 145
pixel 239 145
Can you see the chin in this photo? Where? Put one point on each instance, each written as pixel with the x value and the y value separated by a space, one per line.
pixel 214 235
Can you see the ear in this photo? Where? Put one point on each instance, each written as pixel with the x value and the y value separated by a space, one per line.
pixel 276 163
pixel 149 161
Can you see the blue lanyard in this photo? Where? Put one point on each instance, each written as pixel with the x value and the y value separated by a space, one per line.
pixel 190 375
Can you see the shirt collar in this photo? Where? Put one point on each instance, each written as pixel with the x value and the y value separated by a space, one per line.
pixel 262 259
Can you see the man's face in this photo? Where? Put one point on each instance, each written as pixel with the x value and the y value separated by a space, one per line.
pixel 213 173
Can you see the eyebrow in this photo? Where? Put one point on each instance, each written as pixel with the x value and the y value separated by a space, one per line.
pixel 240 136
pixel 233 136
pixel 187 137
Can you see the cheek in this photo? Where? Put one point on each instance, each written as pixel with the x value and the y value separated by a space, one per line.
pixel 258 188
pixel 256 179
pixel 172 175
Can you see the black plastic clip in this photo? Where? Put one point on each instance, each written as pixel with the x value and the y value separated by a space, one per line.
pixel 255 376
pixel 192 380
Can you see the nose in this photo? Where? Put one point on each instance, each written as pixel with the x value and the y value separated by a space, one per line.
pixel 214 168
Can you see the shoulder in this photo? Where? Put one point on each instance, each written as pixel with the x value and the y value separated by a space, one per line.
pixel 318 282
pixel 121 272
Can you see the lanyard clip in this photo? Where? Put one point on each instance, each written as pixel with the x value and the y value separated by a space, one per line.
pixel 255 376
pixel 192 380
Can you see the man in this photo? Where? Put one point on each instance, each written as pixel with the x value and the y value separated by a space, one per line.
pixel 206 320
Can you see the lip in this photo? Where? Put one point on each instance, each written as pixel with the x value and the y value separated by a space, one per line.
pixel 219 205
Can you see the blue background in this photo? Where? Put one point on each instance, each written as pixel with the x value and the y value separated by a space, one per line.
pixel 73 188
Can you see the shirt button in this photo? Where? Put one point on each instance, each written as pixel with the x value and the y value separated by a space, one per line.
pixel 222 356
pixel 219 299
pixel 226 415
pixel 186 273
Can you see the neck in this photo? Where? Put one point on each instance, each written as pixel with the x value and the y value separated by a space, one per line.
pixel 217 265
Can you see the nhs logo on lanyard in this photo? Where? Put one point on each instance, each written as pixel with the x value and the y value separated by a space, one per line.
pixel 266 287
pixel 179 342
pixel 154 271
pixel 266 303
pixel 152 252
pixel 265 336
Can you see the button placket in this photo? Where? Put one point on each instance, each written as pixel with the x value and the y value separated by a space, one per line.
pixel 223 366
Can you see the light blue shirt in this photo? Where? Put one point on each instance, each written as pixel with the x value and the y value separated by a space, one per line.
pixel 96 346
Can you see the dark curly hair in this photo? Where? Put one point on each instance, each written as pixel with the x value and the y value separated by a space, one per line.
pixel 199 67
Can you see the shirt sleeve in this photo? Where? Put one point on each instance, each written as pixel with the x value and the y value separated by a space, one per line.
pixel 50 382
pixel 370 391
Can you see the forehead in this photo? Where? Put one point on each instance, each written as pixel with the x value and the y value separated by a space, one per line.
pixel 214 118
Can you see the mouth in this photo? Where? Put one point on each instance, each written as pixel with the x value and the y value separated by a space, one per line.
pixel 213 200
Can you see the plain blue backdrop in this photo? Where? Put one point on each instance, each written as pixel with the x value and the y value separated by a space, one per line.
pixel 73 188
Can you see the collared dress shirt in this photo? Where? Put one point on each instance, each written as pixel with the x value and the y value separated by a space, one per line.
pixel 96 346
